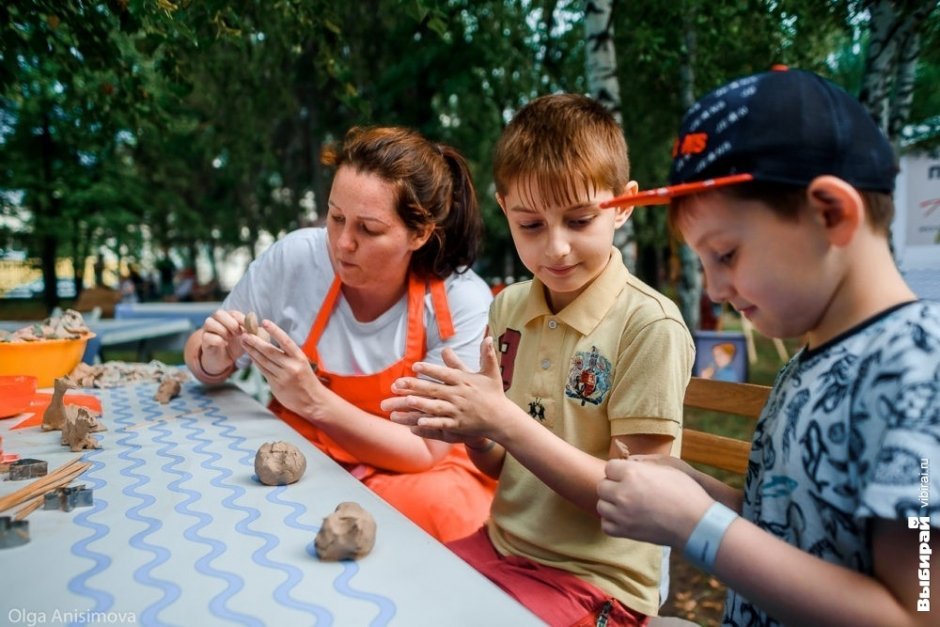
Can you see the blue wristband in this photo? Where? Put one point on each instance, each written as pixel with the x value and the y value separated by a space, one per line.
pixel 702 546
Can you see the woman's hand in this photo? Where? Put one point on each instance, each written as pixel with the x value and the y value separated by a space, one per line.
pixel 220 346
pixel 650 498
pixel 287 370
pixel 459 405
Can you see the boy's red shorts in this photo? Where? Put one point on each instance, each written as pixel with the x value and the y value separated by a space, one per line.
pixel 556 596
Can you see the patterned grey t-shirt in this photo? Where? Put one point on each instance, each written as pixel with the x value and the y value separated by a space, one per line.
pixel 846 434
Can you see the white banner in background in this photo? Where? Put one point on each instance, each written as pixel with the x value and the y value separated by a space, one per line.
pixel 916 225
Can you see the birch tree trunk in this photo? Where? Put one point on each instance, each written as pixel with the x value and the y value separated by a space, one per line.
pixel 891 62
pixel 904 83
pixel 601 59
pixel 604 87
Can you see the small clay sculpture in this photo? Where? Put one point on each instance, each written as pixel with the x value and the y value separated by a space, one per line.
pixel 54 416
pixel 113 374
pixel 279 463
pixel 78 427
pixel 169 389
pixel 252 326
pixel 347 533
pixel 251 323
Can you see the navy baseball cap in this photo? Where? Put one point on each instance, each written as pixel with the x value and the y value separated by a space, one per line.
pixel 782 126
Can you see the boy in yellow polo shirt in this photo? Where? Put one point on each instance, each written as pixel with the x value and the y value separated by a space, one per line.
pixel 588 356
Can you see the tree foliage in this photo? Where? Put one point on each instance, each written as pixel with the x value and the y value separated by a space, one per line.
pixel 198 125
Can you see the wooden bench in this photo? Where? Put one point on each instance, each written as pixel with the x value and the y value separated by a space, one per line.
pixel 739 399
pixel 713 450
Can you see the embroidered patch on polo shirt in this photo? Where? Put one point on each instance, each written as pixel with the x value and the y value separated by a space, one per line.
pixel 588 377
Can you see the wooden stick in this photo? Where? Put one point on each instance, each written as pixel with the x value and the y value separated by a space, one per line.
pixel 150 423
pixel 190 412
pixel 43 484
pixel 37 489
pixel 144 425
pixel 29 508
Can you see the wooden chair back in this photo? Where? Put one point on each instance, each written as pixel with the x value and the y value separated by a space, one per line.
pixel 740 399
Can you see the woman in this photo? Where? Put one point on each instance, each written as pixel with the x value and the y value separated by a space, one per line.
pixel 351 307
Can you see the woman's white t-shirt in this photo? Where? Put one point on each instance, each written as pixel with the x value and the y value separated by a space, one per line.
pixel 289 281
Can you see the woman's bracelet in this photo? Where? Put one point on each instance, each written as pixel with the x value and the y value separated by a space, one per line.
pixel 481 449
pixel 702 546
pixel 211 375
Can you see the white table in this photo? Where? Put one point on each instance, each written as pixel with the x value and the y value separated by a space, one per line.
pixel 182 533
pixel 141 334
pixel 196 312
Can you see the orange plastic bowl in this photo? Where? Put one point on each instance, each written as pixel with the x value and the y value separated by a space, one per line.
pixel 44 359
pixel 16 392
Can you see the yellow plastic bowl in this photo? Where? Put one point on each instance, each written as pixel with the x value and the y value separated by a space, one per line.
pixel 44 359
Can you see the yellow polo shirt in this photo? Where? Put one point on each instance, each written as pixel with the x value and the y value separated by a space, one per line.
pixel 615 361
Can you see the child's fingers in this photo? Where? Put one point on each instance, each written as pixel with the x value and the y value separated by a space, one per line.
pixel 407 418
pixel 399 387
pixel 604 506
pixel 422 405
pixel 436 434
pixel 419 387
pixel 611 528
pixel 489 361
pixel 396 404
pixel 452 361
pixel 605 490
pixel 450 376
pixel 435 422
pixel 616 469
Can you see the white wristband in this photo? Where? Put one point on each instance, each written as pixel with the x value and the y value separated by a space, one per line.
pixel 702 546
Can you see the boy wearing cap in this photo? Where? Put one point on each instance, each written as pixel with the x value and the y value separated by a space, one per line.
pixel 589 358
pixel 781 183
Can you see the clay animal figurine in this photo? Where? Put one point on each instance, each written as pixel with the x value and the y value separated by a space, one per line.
pixel 279 463
pixel 78 427
pixel 54 416
pixel 169 389
pixel 347 534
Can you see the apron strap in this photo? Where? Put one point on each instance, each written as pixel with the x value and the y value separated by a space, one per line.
pixel 445 323
pixel 323 317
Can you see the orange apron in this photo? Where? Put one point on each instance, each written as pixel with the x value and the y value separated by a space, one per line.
pixel 450 500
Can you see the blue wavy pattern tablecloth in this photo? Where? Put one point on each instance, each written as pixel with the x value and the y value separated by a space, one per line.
pixel 181 532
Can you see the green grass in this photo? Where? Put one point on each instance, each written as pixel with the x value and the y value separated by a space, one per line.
pixel 170 358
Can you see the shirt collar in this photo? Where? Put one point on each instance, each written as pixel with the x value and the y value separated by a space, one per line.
pixel 591 306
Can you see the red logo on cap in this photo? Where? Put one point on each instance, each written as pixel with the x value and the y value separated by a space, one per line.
pixel 691 144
